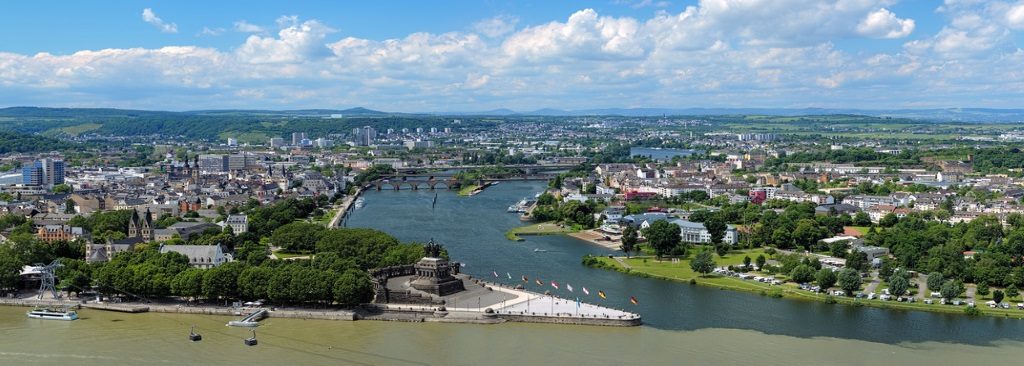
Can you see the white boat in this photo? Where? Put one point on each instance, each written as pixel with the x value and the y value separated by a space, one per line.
pixel 243 323
pixel 53 314
pixel 360 202
pixel 538 250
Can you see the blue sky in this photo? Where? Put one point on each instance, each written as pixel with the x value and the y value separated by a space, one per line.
pixel 524 55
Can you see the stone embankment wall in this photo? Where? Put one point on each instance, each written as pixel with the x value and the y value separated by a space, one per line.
pixel 613 322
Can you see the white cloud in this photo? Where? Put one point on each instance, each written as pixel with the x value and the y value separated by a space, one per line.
pixel 882 23
pixel 246 27
pixel 150 17
pixel 294 43
pixel 717 53
pixel 1015 16
pixel 211 32
pixel 496 26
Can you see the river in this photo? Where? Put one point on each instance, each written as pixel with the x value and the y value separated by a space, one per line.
pixel 683 324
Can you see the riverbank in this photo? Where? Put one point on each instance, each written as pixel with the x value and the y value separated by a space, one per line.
pixel 473 189
pixel 597 238
pixel 649 267
pixel 347 203
pixel 543 228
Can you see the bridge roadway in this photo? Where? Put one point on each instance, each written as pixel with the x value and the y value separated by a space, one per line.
pixel 468 167
pixel 434 181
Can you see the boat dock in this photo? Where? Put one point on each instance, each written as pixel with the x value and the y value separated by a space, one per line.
pixel 250 320
pixel 347 203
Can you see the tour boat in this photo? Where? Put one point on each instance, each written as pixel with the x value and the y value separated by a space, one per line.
pixel 53 314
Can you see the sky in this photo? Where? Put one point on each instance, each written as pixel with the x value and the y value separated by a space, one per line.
pixel 461 56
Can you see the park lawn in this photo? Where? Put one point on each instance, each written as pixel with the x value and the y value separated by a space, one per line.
pixel 285 255
pixel 682 272
pixel 543 228
pixel 467 189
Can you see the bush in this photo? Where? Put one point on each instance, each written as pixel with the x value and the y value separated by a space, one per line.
pixel 972 311
pixel 829 299
pixel 693 281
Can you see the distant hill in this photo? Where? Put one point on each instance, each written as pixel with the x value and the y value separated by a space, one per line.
pixel 934 114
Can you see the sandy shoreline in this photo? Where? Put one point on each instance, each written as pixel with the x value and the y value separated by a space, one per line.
pixel 597 238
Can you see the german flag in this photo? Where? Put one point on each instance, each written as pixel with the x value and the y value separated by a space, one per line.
pixel 633 300
pixel 601 294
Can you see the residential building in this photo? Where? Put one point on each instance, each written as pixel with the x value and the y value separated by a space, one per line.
pixel 238 223
pixel 43 172
pixel 199 256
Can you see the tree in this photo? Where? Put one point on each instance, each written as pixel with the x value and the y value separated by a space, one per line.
pixel 849 280
pixel 297 236
pixel 1011 291
pixel 982 288
pixel 898 286
pixel 716 228
pixel 662 236
pixel 802 274
pixel 826 278
pixel 61 188
pixel 353 287
pixel 997 296
pixel 703 262
pixel 862 219
pixel 761 260
pixel 188 283
pixel 746 262
pixel 950 290
pixel 10 269
pixel 889 220
pixel 935 281
pixel 629 239
pixel 253 282
pixel 857 260
pixel 807 233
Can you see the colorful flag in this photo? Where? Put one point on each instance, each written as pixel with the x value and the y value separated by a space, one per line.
pixel 601 294
pixel 554 284
pixel 495 273
pixel 585 291
pixel 569 287
pixel 509 275
pixel 633 300
pixel 540 283
pixel 525 279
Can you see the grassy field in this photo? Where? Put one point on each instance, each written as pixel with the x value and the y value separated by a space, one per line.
pixel 863 230
pixel 284 255
pixel 544 228
pixel 73 130
pixel 467 189
pixel 649 267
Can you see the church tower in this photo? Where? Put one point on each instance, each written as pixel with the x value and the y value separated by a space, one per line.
pixel 133 224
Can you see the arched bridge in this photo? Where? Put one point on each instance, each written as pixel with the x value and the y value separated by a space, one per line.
pixel 415 182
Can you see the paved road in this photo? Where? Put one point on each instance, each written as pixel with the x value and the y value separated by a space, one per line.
pixel 873 284
pixel 623 263
pixel 922 286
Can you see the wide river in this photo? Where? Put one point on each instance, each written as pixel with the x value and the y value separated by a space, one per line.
pixel 683 324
